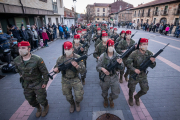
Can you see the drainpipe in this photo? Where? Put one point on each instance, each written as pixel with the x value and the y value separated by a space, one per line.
pixel 22 6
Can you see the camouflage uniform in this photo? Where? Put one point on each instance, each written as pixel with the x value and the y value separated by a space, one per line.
pixel 31 72
pixel 110 33
pixel 119 39
pixel 71 80
pixel 77 29
pixel 123 46
pixel 115 36
pixel 100 48
pixel 110 80
pixel 97 42
pixel 133 62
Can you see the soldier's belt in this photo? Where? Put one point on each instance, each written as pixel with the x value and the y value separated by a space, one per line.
pixel 70 77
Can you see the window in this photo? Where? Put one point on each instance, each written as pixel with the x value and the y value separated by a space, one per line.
pixel 154 20
pixel 61 4
pixel 135 14
pixel 54 4
pixel 103 14
pixel 147 20
pixel 103 19
pixel 43 0
pixel 176 21
pixel 139 13
pixel 141 20
pixel 97 9
pixel 165 10
pixel 97 14
pixel 148 12
pixel 103 9
pixel 49 20
pixel 143 13
pixel 97 18
pixel 56 21
pixel 138 21
pixel 156 11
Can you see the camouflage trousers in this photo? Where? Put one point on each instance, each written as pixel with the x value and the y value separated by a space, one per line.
pixel 113 83
pixel 68 84
pixel 143 82
pixel 84 74
pixel 36 95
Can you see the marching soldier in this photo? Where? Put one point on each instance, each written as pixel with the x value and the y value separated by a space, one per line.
pixel 111 79
pixel 70 77
pixel 97 35
pixel 121 37
pixel 78 29
pixel 115 35
pixel 99 39
pixel 133 63
pixel 31 68
pixel 78 49
pixel 121 48
pixel 110 33
pixel 105 28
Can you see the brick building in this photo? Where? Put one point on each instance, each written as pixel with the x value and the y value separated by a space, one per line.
pixel 158 11
pixel 30 12
pixel 69 17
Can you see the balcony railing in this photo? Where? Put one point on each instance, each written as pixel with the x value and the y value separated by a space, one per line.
pixel 101 15
pixel 176 11
pixel 155 13
pixel 164 12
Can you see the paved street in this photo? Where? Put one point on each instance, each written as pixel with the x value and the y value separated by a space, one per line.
pixel 162 102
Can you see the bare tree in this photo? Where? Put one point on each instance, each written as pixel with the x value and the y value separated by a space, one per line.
pixel 89 15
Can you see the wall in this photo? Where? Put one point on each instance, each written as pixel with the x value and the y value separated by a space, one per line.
pixel 60 7
pixel 53 19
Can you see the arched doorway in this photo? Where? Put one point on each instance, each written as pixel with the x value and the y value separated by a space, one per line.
pixel 163 20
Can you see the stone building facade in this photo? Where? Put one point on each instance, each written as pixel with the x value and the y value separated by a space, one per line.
pixel 164 11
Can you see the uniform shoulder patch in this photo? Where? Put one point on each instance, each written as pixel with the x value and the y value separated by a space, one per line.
pixel 42 62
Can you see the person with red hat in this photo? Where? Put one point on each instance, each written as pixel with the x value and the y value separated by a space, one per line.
pixel 121 36
pixel 70 77
pixel 97 35
pixel 105 28
pixel 31 68
pixel 78 49
pixel 134 61
pixel 103 37
pixel 110 33
pixel 78 29
pixel 111 78
pixel 114 35
pixel 121 48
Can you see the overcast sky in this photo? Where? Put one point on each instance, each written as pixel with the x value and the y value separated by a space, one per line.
pixel 81 4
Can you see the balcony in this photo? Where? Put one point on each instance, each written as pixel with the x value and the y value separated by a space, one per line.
pixel 164 12
pixel 176 11
pixel 101 15
pixel 156 13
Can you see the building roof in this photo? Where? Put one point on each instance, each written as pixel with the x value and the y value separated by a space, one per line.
pixel 101 4
pixel 155 2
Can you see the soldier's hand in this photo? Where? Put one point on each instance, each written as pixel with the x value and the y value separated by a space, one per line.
pixel 97 57
pixel 44 86
pixel 105 71
pixel 82 49
pixel 137 71
pixel 135 46
pixel 119 60
pixel 152 59
pixel 75 64
pixel 123 51
pixel 56 70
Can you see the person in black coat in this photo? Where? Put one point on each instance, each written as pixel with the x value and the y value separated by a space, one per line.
pixel 24 35
pixel 16 33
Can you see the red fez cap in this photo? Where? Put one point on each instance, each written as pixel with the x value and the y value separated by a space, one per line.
pixel 68 45
pixel 98 28
pixel 84 30
pixel 79 31
pixel 105 24
pixel 104 34
pixel 115 28
pixel 123 31
pixel 144 40
pixel 79 25
pixel 111 27
pixel 128 32
pixel 23 43
pixel 103 31
pixel 110 42
pixel 77 36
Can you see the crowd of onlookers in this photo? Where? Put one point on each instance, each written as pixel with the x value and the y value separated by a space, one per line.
pixel 162 28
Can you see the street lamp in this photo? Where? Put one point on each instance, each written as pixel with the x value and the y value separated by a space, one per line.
pixel 74 1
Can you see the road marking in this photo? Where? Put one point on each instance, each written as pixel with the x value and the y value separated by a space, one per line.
pixel 25 110
pixel 165 44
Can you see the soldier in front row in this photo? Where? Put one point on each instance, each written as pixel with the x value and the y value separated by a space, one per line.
pixel 70 77
pixel 31 68
pixel 111 79
pixel 133 63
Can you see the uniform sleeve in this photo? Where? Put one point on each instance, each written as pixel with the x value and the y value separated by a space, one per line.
pixel 43 70
pixel 57 63
pixel 152 65
pixel 130 60
pixel 121 66
pixel 81 69
pixel 99 64
pixel 118 48
pixel 95 54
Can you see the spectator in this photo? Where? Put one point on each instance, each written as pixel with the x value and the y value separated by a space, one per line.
pixel 61 31
pixel 55 31
pixel 161 28
pixel 154 28
pixel 34 38
pixel 171 27
pixel 45 38
pixel 72 29
pixel 166 30
pixel 157 27
pixel 147 26
pixel 24 35
pixel 177 32
pixel 144 25
pixel 40 32
pixel 4 40
pixel 51 33
pixel 16 33
pixel 30 34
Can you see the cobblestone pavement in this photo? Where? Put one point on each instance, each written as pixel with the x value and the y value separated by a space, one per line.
pixel 160 103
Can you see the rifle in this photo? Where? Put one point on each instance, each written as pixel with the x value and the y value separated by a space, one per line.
pixel 98 36
pixel 79 51
pixel 63 67
pixel 147 62
pixel 110 67
pixel 134 34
